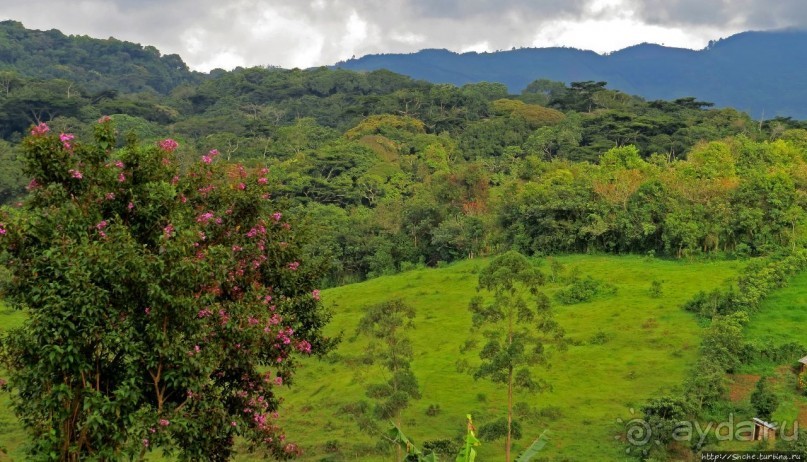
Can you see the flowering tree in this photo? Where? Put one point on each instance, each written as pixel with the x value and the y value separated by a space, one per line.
pixel 163 306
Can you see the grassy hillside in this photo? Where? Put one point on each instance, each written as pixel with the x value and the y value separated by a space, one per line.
pixel 649 343
pixel 781 315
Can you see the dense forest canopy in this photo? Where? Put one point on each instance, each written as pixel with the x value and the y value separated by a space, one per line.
pixel 392 172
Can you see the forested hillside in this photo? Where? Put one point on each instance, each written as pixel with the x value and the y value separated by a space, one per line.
pixel 391 172
pixel 757 72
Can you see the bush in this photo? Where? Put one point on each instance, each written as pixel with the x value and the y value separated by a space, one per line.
pixel 441 447
pixel 584 290
pixel 600 338
pixel 433 410
pixel 764 400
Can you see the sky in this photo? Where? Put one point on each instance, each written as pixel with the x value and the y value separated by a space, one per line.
pixel 210 34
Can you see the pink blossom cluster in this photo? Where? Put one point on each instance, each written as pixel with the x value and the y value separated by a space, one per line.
pixel 66 138
pixel 205 217
pixel 33 184
pixel 294 265
pixel 284 335
pixel 40 130
pixel 208 158
pixel 168 145
pixel 100 227
pixel 303 346
pixel 256 230
pixel 75 174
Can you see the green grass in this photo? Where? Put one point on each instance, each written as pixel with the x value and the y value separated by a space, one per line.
pixel 653 341
pixel 782 316
pixel 12 436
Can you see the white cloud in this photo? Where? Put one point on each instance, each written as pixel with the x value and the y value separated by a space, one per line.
pixel 296 33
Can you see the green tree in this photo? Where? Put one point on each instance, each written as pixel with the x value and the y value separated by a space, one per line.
pixel 519 327
pixel 764 399
pixel 163 308
pixel 385 324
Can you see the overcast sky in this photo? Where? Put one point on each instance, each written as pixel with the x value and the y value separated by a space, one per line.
pixel 303 33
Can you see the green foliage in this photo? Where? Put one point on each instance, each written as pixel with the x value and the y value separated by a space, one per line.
pixel 583 290
pixel 468 451
pixel 520 329
pixel 500 428
pixel 764 399
pixel 656 288
pixel 385 324
pixel 163 308
pixel 798 444
pixel 534 448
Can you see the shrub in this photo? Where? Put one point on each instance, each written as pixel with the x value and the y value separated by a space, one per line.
pixel 584 290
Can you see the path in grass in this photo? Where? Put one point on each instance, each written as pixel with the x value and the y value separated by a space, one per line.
pixel 652 342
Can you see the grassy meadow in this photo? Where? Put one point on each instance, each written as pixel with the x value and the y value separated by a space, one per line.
pixel 649 344
pixel 782 315
pixel 625 349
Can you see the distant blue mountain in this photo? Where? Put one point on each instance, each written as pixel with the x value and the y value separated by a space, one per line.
pixel 762 73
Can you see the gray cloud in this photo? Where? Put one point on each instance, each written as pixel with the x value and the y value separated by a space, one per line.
pixel 289 33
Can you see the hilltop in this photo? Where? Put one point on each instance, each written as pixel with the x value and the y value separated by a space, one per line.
pixel 757 72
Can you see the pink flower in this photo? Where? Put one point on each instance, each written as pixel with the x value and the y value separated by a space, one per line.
pixel 101 225
pixel 304 347
pixel 109 196
pixel 2 229
pixel 197 348
pixel 233 424
pixel 242 186
pixel 130 206
pixel 294 265
pixel 147 310
pixel 277 216
pixel 40 129
pixel 65 138
pixel 168 230
pixel 262 180
pixel 121 177
pixel 104 119
pixel 205 217
pixel 145 442
pixel 213 153
pixel 33 184
pixel 119 164
pixel 164 423
pixel 207 159
pixel 315 294
pixel 75 174
pixel 278 380
pixel 168 145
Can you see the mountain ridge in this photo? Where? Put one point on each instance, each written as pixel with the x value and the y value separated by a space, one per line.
pixel 755 71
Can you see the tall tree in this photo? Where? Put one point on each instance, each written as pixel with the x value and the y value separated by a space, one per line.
pixel 162 308
pixel 518 323
pixel 385 324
